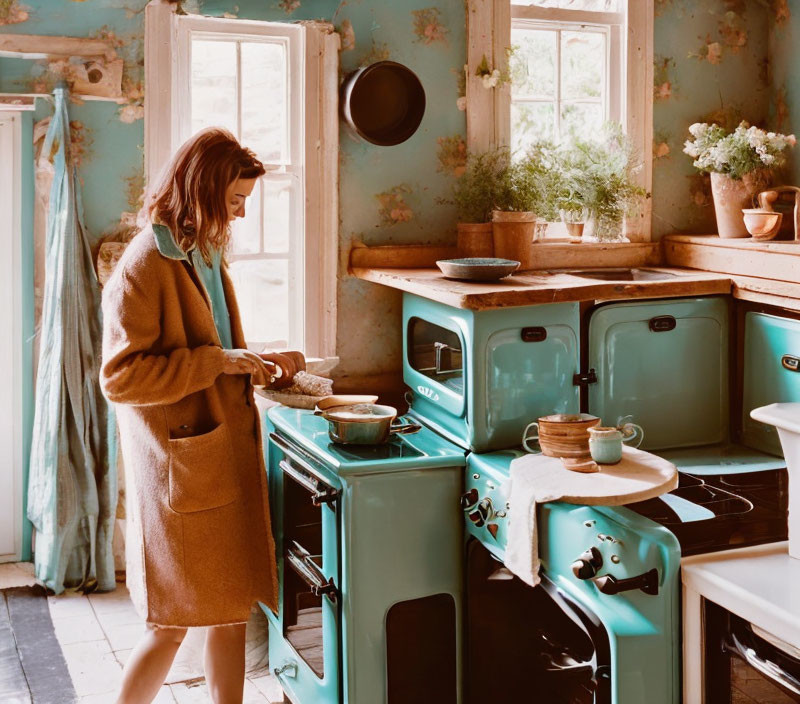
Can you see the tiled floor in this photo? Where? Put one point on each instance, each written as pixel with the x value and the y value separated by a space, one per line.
pixel 97 633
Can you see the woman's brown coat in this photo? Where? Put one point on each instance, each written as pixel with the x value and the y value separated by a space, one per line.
pixel 199 543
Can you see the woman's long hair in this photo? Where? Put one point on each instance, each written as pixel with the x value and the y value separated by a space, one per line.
pixel 189 197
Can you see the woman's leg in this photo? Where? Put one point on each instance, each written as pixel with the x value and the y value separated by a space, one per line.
pixel 224 663
pixel 148 664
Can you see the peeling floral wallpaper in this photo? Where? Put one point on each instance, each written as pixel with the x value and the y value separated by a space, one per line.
pixel 711 65
pixel 784 77
pixel 715 60
pixel 107 137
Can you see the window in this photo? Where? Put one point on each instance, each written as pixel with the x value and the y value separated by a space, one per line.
pixel 565 71
pixel 241 82
pixel 273 85
pixel 572 65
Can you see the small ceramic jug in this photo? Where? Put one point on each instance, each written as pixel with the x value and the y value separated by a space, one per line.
pixel 605 445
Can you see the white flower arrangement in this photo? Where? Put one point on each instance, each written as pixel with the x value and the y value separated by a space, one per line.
pixel 490 77
pixel 740 152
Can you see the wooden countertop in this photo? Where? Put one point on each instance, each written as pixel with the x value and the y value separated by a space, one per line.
pixel 536 287
pixel 761 272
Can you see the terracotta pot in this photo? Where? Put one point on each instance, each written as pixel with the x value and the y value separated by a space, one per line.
pixel 733 195
pixel 513 235
pixel 475 239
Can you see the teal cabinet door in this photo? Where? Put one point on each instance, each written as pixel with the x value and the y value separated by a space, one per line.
pixel 526 380
pixel 771 373
pixel 666 364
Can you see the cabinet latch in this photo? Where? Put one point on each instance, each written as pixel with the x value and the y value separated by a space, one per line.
pixel 791 363
pixel 584 379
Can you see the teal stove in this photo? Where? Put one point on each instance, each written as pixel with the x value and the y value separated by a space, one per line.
pixel 369 543
pixel 479 377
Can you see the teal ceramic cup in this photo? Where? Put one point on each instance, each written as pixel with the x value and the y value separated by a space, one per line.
pixel 605 445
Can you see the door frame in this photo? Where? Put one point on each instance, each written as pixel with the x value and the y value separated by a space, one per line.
pixel 12 317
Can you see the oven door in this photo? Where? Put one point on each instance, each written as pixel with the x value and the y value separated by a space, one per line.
pixel 529 645
pixel 305 638
pixel 743 664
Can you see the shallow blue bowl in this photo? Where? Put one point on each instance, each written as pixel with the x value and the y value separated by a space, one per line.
pixel 477 268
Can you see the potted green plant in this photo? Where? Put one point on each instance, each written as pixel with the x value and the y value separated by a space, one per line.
pixel 740 164
pixel 598 174
pixel 520 215
pixel 565 194
pixel 474 194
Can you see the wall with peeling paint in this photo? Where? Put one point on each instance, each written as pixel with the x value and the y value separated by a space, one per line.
pixel 108 136
pixel 388 195
pixel 785 80
pixel 711 65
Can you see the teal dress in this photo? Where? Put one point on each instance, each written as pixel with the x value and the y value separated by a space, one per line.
pixel 210 277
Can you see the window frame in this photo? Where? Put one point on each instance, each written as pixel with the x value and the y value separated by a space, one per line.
pixel 11 314
pixel 489 25
pixel 312 53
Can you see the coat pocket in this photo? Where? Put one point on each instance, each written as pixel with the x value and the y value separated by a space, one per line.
pixel 202 472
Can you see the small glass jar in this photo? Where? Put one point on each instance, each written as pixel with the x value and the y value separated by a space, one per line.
pixel 605 445
pixel 574 220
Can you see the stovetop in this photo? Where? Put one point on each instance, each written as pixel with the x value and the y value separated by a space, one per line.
pixel 717 512
pixel 705 513
pixel 421 450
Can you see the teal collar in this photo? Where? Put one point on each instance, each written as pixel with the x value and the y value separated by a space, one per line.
pixel 166 243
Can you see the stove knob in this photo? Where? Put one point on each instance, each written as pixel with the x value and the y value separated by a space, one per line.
pixel 469 499
pixel 588 565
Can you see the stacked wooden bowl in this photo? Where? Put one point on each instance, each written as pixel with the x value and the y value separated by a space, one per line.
pixel 566 435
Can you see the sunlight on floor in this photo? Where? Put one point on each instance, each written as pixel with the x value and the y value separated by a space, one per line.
pixel 97 633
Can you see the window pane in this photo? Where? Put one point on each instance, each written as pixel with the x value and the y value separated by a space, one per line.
pixel 529 122
pixel 247 230
pixel 213 85
pixel 583 64
pixel 277 216
pixel 262 291
pixel 581 119
pixel 264 120
pixel 533 62
pixel 594 5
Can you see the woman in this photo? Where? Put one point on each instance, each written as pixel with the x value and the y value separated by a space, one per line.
pixel 200 548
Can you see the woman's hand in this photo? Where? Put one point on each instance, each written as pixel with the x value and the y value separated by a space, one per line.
pixel 247 362
pixel 289 364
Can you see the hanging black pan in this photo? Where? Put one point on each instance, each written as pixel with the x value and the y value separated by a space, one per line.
pixel 383 103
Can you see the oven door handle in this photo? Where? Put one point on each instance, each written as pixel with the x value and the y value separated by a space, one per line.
pixel 313 482
pixel 769 669
pixel 300 562
pixel 325 496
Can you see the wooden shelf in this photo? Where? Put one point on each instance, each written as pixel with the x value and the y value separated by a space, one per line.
pixel 549 255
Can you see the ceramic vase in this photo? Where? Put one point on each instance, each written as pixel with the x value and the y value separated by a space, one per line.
pixel 731 196
pixel 513 235
pixel 475 239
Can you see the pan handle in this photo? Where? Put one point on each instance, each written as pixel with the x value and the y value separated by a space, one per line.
pixel 404 428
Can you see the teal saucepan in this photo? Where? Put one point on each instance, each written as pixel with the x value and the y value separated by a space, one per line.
pixel 364 424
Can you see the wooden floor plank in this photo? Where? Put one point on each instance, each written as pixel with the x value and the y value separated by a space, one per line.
pixel 39 651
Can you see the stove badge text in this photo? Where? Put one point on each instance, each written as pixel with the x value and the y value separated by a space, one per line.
pixel 430 393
